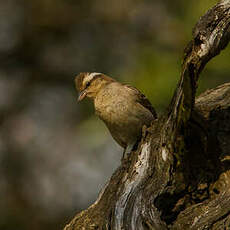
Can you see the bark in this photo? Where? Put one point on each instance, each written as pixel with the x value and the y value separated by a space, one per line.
pixel 178 177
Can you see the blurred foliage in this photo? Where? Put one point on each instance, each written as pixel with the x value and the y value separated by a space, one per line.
pixel 55 155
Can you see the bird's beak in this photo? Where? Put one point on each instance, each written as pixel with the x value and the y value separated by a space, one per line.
pixel 81 95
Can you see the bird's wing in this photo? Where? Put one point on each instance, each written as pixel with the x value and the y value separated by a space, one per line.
pixel 143 100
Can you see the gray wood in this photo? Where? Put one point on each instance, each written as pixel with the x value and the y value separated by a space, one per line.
pixel 179 176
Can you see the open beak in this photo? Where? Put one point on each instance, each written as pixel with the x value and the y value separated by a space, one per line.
pixel 81 95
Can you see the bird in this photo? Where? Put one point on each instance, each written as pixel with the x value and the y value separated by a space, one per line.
pixel 123 108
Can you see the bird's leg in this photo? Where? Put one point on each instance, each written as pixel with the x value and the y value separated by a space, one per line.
pixel 128 150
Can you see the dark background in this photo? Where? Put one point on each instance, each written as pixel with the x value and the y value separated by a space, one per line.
pixel 55 155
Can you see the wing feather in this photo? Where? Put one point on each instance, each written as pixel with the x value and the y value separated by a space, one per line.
pixel 143 100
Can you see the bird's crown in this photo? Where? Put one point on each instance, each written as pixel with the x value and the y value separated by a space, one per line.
pixel 83 80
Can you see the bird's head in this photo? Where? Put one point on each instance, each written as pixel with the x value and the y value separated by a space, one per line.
pixel 89 84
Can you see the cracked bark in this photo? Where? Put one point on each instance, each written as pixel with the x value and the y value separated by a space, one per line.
pixel 179 177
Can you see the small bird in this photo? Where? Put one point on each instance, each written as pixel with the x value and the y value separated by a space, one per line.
pixel 123 108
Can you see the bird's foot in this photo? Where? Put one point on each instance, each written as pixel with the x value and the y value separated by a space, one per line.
pixel 128 150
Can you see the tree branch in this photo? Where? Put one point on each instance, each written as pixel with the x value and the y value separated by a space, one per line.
pixel 177 173
pixel 210 35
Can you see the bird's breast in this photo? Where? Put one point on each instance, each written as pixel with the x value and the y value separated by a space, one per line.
pixel 110 110
pixel 123 116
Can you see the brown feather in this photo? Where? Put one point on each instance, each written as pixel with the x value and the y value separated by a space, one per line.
pixel 79 81
pixel 143 100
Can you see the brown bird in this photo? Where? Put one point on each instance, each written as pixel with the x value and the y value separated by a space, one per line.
pixel 124 109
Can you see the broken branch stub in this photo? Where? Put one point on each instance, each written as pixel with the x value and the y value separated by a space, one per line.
pixel 166 182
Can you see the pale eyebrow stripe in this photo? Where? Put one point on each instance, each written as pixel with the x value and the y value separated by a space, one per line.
pixel 90 77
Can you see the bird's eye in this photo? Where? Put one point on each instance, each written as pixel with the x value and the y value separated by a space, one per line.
pixel 87 84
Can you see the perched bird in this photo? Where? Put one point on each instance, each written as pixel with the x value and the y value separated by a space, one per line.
pixel 124 109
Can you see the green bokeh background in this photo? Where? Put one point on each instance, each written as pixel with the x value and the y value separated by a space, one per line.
pixel 55 155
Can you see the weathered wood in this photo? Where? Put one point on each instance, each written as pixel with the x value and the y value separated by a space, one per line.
pixel 178 178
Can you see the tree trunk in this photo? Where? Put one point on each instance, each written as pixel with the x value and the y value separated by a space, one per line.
pixel 179 177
